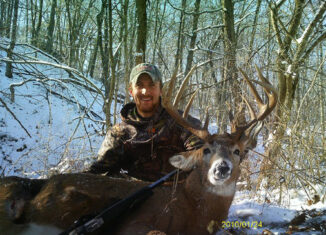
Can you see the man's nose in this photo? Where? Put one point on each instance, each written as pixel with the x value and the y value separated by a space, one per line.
pixel 143 91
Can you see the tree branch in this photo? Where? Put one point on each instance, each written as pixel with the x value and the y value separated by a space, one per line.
pixel 304 38
pixel 67 68
pixel 14 116
pixel 192 12
pixel 321 38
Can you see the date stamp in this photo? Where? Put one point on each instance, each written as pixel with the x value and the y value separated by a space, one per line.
pixel 241 224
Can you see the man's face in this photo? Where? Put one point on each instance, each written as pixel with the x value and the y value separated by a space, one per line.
pixel 146 95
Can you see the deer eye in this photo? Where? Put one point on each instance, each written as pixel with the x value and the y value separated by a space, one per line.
pixel 207 151
pixel 246 151
pixel 236 152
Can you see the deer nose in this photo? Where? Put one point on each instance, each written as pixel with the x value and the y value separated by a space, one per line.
pixel 222 170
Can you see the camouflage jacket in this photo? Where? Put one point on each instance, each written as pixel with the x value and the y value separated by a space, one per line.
pixel 142 146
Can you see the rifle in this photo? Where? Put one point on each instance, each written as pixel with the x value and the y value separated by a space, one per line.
pixel 88 225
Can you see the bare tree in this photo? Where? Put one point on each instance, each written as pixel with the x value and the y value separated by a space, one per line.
pixel 292 53
pixel 77 17
pixel 193 37
pixel 13 39
pixel 50 30
pixel 181 38
pixel 4 17
pixel 124 21
pixel 141 31
pixel 36 13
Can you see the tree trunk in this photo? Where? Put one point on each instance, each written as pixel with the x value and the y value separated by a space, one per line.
pixel 193 38
pixel 3 17
pixel 13 39
pixel 181 38
pixel 27 22
pixel 141 31
pixel 36 28
pixel 124 22
pixel 59 37
pixel 49 38
pixel 112 60
pixel 33 19
pixel 230 67
pixel 104 50
pixel 253 33
pixel 158 27
pixel 92 62
pixel 72 35
pixel 9 17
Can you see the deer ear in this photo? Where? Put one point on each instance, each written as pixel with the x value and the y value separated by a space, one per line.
pixel 179 161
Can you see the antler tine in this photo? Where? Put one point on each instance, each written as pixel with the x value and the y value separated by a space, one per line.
pixel 251 110
pixel 262 78
pixel 270 91
pixel 206 120
pixel 188 106
pixel 168 93
pixel 272 100
pixel 183 86
pixel 252 89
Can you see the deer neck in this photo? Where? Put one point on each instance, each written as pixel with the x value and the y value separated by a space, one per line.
pixel 209 203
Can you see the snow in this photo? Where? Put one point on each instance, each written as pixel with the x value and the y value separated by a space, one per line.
pixel 58 144
pixel 58 130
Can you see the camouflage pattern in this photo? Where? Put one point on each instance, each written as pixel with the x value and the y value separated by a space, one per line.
pixel 143 146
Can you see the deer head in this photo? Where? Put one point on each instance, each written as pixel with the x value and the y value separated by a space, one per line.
pixel 222 153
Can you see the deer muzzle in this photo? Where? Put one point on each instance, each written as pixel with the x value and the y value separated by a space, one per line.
pixel 220 171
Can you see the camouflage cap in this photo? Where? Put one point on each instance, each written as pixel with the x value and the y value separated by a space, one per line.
pixel 150 69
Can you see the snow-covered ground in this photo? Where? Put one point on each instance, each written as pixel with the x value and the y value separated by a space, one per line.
pixel 63 120
pixel 65 124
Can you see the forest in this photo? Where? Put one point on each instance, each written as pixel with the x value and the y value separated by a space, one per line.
pixel 97 43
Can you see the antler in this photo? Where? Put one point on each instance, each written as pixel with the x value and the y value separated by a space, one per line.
pixel 171 109
pixel 264 109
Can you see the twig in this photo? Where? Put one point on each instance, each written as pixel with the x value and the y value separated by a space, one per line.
pixel 14 117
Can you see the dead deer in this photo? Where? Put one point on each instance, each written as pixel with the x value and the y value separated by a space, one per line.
pixel 197 206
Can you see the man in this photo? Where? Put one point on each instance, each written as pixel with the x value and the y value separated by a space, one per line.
pixel 147 136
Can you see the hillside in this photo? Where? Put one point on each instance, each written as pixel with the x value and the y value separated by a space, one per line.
pixel 52 119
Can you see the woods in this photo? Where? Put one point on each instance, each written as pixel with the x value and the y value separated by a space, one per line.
pixel 286 39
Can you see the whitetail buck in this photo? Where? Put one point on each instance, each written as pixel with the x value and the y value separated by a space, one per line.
pixel 197 206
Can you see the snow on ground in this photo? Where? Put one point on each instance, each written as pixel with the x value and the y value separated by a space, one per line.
pixel 62 141
pixel 63 119
pixel 253 209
